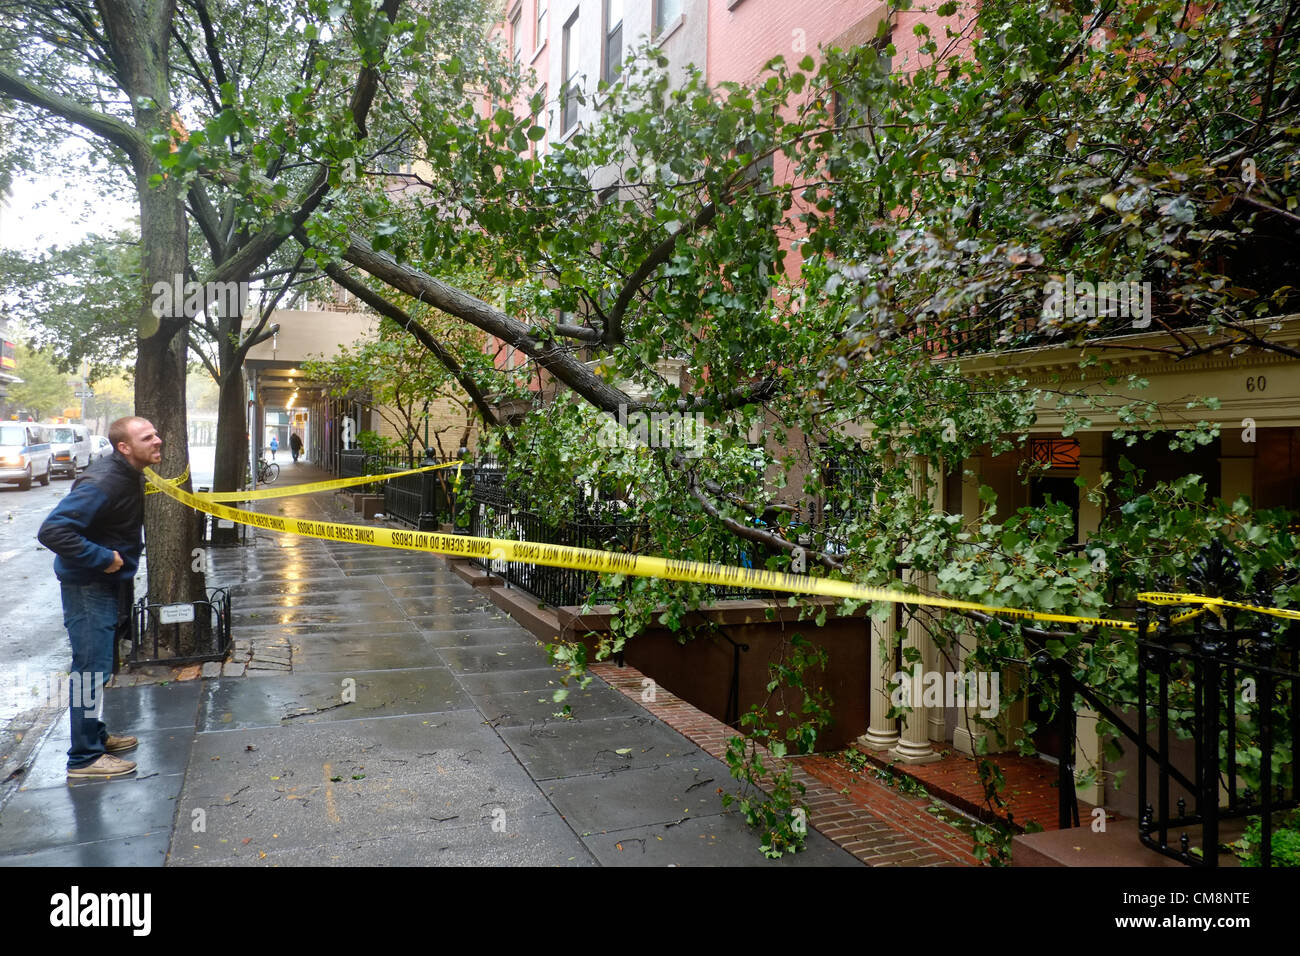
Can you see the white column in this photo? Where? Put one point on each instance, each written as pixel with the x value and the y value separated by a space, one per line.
pixel 882 734
pixel 1088 744
pixel 914 744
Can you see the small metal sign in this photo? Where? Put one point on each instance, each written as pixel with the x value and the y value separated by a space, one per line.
pixel 176 613
pixel 225 523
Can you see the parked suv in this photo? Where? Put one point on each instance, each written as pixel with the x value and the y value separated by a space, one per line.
pixel 70 445
pixel 25 453
pixel 100 446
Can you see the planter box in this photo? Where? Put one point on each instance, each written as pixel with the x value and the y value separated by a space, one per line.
pixel 701 670
pixel 368 505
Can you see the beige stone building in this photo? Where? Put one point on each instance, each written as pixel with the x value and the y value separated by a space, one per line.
pixel 1257 455
pixel 283 401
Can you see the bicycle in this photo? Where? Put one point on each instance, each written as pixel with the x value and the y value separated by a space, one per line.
pixel 267 471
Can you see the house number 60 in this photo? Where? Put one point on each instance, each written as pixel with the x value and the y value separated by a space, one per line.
pixel 1255 383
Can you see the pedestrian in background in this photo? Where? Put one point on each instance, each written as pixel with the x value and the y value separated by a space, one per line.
pixel 95 533
pixel 295 446
pixel 275 443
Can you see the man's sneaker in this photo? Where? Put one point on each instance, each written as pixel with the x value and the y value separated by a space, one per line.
pixel 104 768
pixel 117 745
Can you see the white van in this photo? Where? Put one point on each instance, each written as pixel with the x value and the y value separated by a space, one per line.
pixel 70 447
pixel 25 453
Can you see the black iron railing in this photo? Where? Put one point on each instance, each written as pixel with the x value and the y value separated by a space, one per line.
pixel 1230 690
pixel 497 513
pixel 499 510
pixel 423 501
pixel 201 626
pixel 352 463
pixel 1029 331
pixel 1241 681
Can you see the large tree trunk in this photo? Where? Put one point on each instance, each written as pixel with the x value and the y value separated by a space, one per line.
pixel 138 32
pixel 170 528
pixel 232 432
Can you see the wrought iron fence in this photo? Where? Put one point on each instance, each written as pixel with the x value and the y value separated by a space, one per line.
pixel 424 500
pixel 1242 683
pixel 1231 691
pixel 497 510
pixel 352 463
pixel 203 625
pixel 1029 331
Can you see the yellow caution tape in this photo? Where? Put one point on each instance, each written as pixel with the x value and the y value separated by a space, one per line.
pixel 613 562
pixel 177 481
pixel 286 491
pixel 1165 597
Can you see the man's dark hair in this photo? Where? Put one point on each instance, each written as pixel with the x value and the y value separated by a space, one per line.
pixel 117 432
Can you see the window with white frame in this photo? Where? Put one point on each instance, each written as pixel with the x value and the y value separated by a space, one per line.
pixel 569 64
pixel 666 14
pixel 517 36
pixel 539 37
pixel 613 52
pixel 542 118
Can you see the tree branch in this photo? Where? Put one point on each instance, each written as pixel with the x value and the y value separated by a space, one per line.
pixel 256 250
pixel 657 257
pixel 258 333
pixel 120 134
pixel 553 358
pixel 440 351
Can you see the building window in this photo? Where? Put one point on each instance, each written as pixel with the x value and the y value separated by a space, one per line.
pixel 759 169
pixel 517 37
pixel 666 14
pixel 855 119
pixel 541 117
pixel 884 62
pixel 613 64
pixel 540 36
pixel 839 109
pixel 1055 452
pixel 569 92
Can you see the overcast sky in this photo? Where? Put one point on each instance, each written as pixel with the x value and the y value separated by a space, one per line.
pixel 64 201
pixel 50 211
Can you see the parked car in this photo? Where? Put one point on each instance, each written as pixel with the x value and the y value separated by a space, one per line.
pixel 70 445
pixel 100 447
pixel 25 453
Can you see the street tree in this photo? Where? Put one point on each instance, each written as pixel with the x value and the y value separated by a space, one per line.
pixel 268 146
pixel 76 300
pixel 113 398
pixel 44 391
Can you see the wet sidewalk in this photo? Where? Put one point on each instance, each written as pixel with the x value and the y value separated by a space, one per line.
pixel 414 725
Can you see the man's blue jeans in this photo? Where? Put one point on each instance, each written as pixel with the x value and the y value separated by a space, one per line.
pixel 90 613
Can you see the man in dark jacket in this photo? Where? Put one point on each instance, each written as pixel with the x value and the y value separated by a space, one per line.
pixel 95 533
